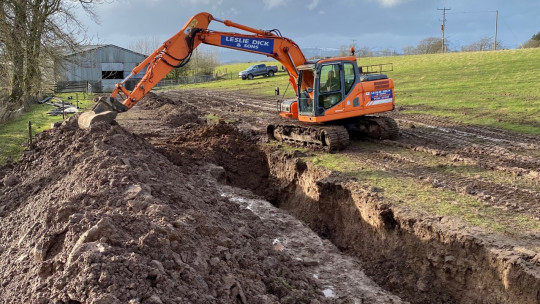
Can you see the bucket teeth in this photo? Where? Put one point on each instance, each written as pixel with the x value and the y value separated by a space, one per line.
pixel 108 104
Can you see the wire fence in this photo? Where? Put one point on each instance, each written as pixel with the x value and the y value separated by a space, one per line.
pixel 186 80
pixel 95 86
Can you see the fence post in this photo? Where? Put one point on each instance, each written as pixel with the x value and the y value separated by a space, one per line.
pixel 30 142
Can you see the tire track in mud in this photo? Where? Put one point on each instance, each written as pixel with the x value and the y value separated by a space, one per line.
pixel 502 196
pixel 225 103
pixel 489 148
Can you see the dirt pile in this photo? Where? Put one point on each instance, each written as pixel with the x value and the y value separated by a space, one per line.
pixel 152 101
pixel 100 216
pixel 244 164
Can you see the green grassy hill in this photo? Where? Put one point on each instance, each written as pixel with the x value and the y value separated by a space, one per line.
pixel 497 89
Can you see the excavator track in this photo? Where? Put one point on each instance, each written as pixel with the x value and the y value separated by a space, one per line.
pixel 331 138
pixel 376 127
pixel 334 137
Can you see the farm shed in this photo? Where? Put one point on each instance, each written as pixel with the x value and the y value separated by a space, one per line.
pixel 96 68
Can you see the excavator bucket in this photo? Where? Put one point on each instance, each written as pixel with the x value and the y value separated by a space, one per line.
pixel 105 110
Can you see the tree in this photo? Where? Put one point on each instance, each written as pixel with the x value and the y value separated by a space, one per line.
pixel 201 63
pixel 364 52
pixel 146 45
pixel 534 42
pixel 430 45
pixel 484 44
pixel 409 50
pixel 344 51
pixel 30 29
pixel 388 52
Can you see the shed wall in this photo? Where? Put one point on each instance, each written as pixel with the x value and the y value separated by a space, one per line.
pixel 88 66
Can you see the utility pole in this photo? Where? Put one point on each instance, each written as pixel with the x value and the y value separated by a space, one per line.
pixel 442 26
pixel 496 21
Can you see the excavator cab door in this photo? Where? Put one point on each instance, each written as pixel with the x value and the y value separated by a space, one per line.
pixel 306 81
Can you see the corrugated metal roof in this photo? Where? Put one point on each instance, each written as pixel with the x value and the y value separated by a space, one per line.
pixel 92 47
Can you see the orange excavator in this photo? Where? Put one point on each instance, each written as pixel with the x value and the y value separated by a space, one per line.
pixel 333 95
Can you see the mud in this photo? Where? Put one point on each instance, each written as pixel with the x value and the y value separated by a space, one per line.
pixel 424 260
pixel 102 216
pixel 421 255
pixel 151 211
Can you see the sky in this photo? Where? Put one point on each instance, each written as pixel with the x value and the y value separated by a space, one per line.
pixel 374 24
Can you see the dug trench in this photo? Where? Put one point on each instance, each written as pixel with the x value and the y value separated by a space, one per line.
pixel 422 259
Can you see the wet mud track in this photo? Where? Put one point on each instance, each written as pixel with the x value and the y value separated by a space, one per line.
pixel 475 239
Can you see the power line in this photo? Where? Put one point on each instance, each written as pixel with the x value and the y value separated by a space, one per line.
pixel 479 12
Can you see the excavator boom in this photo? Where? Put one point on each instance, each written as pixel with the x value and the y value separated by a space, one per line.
pixel 176 52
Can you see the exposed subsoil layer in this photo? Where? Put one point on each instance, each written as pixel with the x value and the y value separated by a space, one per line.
pixel 103 216
pixel 482 247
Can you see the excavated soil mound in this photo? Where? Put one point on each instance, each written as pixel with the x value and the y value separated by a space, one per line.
pixel 244 163
pixel 174 116
pixel 152 101
pixel 100 216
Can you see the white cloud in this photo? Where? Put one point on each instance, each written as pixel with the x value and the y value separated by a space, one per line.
pixel 313 4
pixel 270 4
pixel 391 3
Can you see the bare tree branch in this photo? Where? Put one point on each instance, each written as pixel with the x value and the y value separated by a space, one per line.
pixel 32 29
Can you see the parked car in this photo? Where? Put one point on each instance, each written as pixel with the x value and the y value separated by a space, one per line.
pixel 258 70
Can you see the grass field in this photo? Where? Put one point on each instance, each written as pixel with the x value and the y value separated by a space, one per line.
pixel 424 198
pixel 14 134
pixel 498 89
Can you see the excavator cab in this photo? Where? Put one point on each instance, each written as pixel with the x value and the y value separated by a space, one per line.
pixel 322 86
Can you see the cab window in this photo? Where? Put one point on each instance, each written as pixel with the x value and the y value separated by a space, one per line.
pixel 350 77
pixel 330 92
pixel 305 104
pixel 329 80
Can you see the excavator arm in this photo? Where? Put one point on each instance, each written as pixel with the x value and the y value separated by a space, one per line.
pixel 355 96
pixel 176 52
